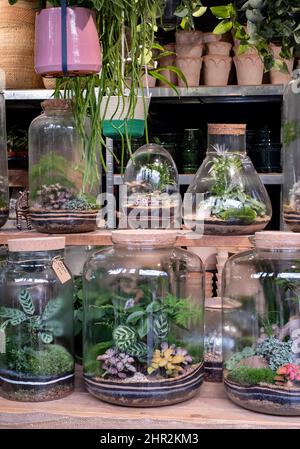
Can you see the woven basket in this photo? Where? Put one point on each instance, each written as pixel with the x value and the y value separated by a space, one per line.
pixel 17 44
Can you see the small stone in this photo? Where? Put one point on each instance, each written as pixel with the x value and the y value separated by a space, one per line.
pixel 253 362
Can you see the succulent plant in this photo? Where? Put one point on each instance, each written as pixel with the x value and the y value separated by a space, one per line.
pixel 117 364
pixel 276 352
pixel 287 373
pixel 170 360
pixel 79 203
pixel 124 338
pixel 55 196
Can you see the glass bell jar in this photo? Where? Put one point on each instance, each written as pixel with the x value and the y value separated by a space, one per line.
pixel 143 320
pixel 4 197
pixel 151 196
pixel 261 334
pixel 36 322
pixel 62 184
pixel 227 196
pixel 290 152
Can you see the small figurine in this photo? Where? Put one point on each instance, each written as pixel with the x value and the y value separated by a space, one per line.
pixel 22 210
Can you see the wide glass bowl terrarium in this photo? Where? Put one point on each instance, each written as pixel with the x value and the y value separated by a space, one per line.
pixel 62 183
pixel 291 151
pixel 151 196
pixel 4 197
pixel 226 195
pixel 143 320
pixel 36 322
pixel 261 334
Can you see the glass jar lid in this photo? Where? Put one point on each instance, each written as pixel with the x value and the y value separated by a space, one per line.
pixel 226 129
pixel 36 244
pixel 147 237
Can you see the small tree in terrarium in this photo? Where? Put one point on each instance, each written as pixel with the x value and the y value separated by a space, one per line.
pixel 226 193
pixel 151 194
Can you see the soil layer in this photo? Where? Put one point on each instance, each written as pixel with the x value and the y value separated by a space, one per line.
pixel 63 221
pixel 213 371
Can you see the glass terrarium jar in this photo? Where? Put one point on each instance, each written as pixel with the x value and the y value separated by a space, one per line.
pixel 151 196
pixel 62 185
pixel 143 321
pixel 290 152
pixel 262 332
pixel 36 322
pixel 4 197
pixel 227 195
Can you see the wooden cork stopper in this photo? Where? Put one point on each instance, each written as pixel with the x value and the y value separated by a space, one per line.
pixel 226 129
pixel 217 303
pixel 61 105
pixel 36 244
pixel 277 240
pixel 147 237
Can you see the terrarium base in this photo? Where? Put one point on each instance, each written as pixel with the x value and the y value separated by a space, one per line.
pixel 215 226
pixel 35 389
pixel 63 221
pixel 264 398
pixel 147 392
pixel 291 218
pixel 213 371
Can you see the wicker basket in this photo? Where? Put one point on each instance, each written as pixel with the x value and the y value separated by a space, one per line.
pixel 17 44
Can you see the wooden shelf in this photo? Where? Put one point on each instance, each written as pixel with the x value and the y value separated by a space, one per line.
pixel 103 238
pixel 210 409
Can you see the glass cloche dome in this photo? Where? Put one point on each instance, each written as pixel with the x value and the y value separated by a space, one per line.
pixel 151 196
pixel 227 195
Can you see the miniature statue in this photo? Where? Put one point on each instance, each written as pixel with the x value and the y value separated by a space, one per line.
pixel 22 210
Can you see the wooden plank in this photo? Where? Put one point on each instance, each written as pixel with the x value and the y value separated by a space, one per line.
pixel 209 409
pixel 103 237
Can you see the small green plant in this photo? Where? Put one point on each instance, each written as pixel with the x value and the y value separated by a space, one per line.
pixel 244 375
pixel 170 360
pixel 276 352
pixel 157 175
pixel 117 364
pixel 187 11
pixel 41 327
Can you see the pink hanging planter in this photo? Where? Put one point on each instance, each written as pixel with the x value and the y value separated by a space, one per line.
pixel 73 51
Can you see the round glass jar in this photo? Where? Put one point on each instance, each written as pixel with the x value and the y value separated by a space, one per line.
pixel 4 196
pixel 290 154
pixel 36 322
pixel 62 183
pixel 262 332
pixel 227 195
pixel 143 321
pixel 151 197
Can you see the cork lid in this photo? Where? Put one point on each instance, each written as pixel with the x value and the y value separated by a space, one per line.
pixel 36 244
pixel 226 129
pixel 277 240
pixel 217 304
pixel 57 104
pixel 147 237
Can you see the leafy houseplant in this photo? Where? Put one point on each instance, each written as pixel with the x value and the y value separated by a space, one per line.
pixel 268 22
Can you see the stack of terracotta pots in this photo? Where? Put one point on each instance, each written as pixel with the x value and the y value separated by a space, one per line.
pixel 189 49
pixel 167 61
pixel 276 76
pixel 249 67
pixel 217 63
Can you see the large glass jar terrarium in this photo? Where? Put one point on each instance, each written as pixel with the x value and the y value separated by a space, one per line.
pixel 4 198
pixel 226 195
pixel 151 196
pixel 262 332
pixel 36 322
pixel 143 321
pixel 62 185
pixel 291 151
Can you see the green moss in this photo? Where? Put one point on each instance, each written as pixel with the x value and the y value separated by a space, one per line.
pixel 244 214
pixel 50 360
pixel 238 356
pixel 244 375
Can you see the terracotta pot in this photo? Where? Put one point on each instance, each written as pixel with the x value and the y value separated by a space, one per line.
pixel 250 51
pixel 83 46
pixel 49 83
pixel 219 48
pixel 191 68
pixel 189 37
pixel 148 79
pixel 211 37
pixel 216 70
pixel 276 76
pixel 168 61
pixel 189 51
pixel 249 70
